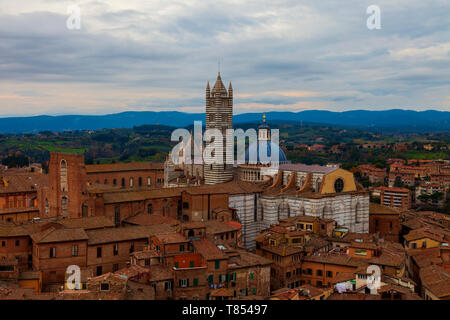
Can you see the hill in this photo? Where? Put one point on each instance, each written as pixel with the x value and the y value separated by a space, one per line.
pixel 387 120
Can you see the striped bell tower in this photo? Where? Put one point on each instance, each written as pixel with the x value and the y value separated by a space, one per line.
pixel 219 115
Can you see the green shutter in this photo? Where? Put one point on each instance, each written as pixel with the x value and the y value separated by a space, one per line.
pixel 195 282
pixel 191 263
pixel 217 264
pixel 251 275
pixel 176 265
pixel 254 291
pixel 210 279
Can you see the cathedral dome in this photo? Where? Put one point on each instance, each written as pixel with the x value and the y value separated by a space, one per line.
pixel 266 147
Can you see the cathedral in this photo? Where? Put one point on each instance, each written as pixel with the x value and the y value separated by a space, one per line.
pixel 286 190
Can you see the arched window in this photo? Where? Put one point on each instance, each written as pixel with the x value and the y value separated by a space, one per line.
pixel 114 181
pixel 63 173
pixel 64 202
pixel 318 182
pixel 140 181
pixel 123 182
pixel 302 182
pixel 149 181
pixel 149 208
pixel 131 182
pixel 338 185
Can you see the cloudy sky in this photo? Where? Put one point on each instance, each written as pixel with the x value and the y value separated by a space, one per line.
pixel 279 54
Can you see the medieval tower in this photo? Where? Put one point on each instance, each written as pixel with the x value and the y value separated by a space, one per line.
pixel 219 115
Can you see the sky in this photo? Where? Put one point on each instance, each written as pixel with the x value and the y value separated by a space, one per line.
pixel 280 55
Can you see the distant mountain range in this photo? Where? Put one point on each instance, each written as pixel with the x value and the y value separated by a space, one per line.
pixel 388 120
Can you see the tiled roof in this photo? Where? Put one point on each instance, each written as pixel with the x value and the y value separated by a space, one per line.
pixel 171 237
pixel 145 219
pixel 129 196
pixel 232 187
pixel 53 234
pixel 110 235
pixel 215 227
pixel 22 182
pixel 247 259
pixel 146 254
pixel 208 249
pixel 393 189
pixel 425 232
pixel 222 292
pixel 375 208
pixel 335 259
pixel 344 277
pixel 131 166
pixel 436 279
pixel 10 230
pixel 87 223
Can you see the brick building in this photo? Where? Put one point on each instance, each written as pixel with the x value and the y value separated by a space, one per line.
pixel 19 201
pixel 374 174
pixel 385 221
pixel 398 198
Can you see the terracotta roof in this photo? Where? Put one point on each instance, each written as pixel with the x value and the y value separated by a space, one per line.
pixel 353 296
pixel 208 249
pixel 425 232
pixel 284 294
pixel 145 219
pixel 171 237
pixel 131 166
pixel 364 245
pixel 246 259
pixel 222 292
pixel 145 254
pixel 87 223
pixel 375 208
pixel 132 271
pixel 22 182
pixel 53 234
pixel 344 277
pixel 130 196
pixel 110 235
pixel 10 230
pixel 217 227
pixel 436 279
pixel 393 189
pixel 193 225
pixel 159 272
pixel 336 259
